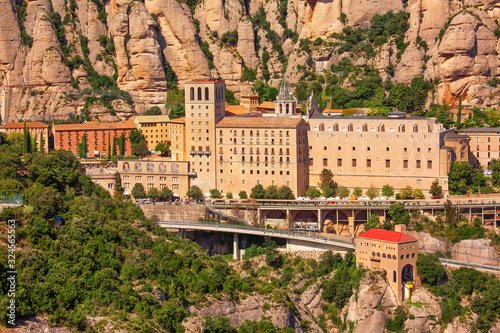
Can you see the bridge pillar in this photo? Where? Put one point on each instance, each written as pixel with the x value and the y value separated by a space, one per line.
pixel 236 247
pixel 181 234
pixel 351 225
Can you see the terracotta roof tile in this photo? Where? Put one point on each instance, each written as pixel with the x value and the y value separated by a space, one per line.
pixel 259 122
pixel 94 125
pixel 233 110
pixel 266 105
pixel 388 236
pixel 29 124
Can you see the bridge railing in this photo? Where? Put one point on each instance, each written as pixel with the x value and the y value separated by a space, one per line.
pixel 267 231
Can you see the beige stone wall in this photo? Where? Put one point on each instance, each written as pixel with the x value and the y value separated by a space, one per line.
pixel 267 156
pixel 155 129
pixel 157 173
pixel 484 146
pixel 205 106
pixel 376 151
pixel 178 143
pixel 370 254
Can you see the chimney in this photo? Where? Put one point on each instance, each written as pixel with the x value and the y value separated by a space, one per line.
pixel 400 228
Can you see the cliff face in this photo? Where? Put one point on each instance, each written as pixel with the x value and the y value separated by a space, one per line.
pixel 52 50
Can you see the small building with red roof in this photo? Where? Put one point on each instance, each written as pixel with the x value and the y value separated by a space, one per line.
pixel 394 251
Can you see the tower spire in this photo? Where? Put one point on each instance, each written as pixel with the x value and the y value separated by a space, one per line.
pixel 285 93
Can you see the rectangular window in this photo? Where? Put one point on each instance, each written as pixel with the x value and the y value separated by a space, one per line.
pixel 419 181
pixel 419 164
pixel 339 162
pixel 325 162
pixel 368 163
pixel 387 163
pixel 354 162
pixel 429 164
pixel 405 164
pixel 310 162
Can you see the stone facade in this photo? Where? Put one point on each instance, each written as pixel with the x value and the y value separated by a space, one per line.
pixel 393 251
pixel 155 129
pixel 36 130
pixel 156 172
pixel 484 144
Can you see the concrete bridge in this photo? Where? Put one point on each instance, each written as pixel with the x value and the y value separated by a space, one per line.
pixel 295 240
pixel 347 216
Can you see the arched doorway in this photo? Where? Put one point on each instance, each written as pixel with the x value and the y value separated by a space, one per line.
pixel 407 281
pixel 334 225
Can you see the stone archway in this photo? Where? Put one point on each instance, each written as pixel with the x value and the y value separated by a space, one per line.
pixel 360 219
pixel 334 225
pixel 407 281
pixel 305 218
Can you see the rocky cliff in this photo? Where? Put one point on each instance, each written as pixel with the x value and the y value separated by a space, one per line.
pixel 61 59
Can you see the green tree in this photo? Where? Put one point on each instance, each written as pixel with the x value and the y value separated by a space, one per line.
pixel 82 147
pixel 42 143
pixel 178 111
pixel 460 177
pixel 399 214
pixel 47 203
pixel 243 195
pixel 285 193
pixel 121 144
pixel 418 194
pixel 118 187
pixel 429 269
pixel 373 222
pixel 26 140
pixel 166 193
pixel 135 136
pixel 327 192
pixel 220 324
pixel 194 193
pixel 163 148
pixel 10 187
pixel 229 195
pixel 387 191
pixel 451 214
pixel 272 192
pixel 406 192
pixel 372 192
pixel 215 194
pixel 459 114
pixel 436 189
pixel 325 178
pixel 138 191
pixel 258 192
pixel 231 98
pixel 313 192
pixel 495 171
pixel 153 193
pixel 140 149
pixel 110 149
pixel 343 192
pixel 357 192
pixel 153 111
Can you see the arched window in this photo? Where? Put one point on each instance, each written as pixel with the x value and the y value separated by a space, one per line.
pixel 365 128
pixel 393 276
pixel 373 254
pixel 150 167
pixel 138 166
pixel 407 256
pixel 378 254
pixel 192 93
pixel 401 128
pixel 281 108
pixel 321 127
pixel 413 255
pixel 394 257
pixel 199 93
pixel 207 97
pixel 402 256
pixel 288 109
pixel 126 166
pixel 350 128
pixel 415 128
pixel 384 255
pixel 336 127
pixel 381 127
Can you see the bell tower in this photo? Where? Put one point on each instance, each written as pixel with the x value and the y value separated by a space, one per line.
pixel 285 103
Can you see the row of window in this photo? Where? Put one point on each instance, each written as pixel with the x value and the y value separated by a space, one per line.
pixel 339 148
pixel 234 141
pixel 364 128
pixel 257 151
pixel 257 133
pixel 354 163
pixel 388 256
pixel 149 186
pixel 156 131
pixel 258 182
pixel 257 159
pixel 219 93
pixel 266 172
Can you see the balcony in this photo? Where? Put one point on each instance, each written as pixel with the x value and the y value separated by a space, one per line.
pixel 207 153
pixel 192 152
pixel 192 174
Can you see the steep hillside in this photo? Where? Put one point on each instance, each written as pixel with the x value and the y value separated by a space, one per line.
pixel 111 59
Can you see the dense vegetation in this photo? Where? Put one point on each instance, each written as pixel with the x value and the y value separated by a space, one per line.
pixel 480 290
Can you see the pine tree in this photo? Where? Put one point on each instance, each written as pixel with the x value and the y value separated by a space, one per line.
pixel 82 148
pixel 122 144
pixel 459 114
pixel 26 141
pixel 109 145
pixel 113 150
pixel 41 143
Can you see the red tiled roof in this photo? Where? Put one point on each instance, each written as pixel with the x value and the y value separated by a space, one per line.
pixel 266 105
pixel 232 110
pixel 29 124
pixel 388 236
pixel 259 122
pixel 94 125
